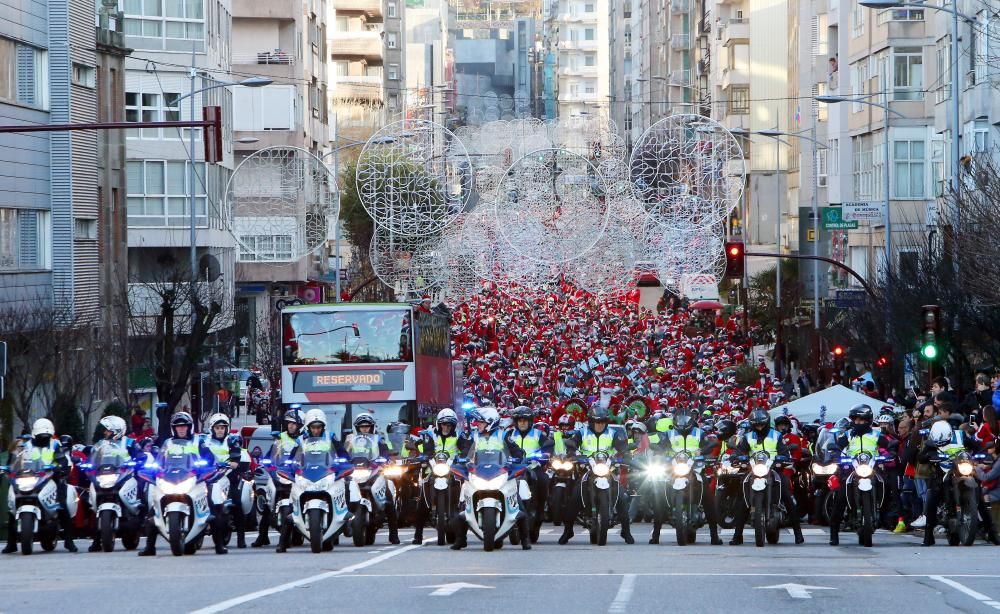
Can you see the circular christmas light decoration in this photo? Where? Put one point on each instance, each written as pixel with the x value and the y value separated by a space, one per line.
pixel 410 264
pixel 278 202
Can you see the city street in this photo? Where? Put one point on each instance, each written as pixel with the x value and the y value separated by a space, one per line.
pixel 580 578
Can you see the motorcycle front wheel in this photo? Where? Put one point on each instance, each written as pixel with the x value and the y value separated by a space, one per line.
pixel 175 522
pixel 867 526
pixel 130 540
pixel 681 526
pixel 488 522
pixel 556 505
pixel 106 528
pixel 603 516
pixel 315 523
pixel 358 526
pixel 27 533
pixel 968 522
pixel 441 507
pixel 759 523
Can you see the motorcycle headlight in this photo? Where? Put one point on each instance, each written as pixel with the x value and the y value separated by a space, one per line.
pixel 441 470
pixel 863 471
pixel 180 488
pixel 492 484
pixel 818 469
pixel 562 465
pixel 107 480
pixel 965 468
pixel 361 475
pixel 760 470
pixel 682 469
pixel 393 471
pixel 601 469
pixel 656 471
pixel 27 483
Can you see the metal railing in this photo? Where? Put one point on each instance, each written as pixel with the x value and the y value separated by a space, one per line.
pixel 275 56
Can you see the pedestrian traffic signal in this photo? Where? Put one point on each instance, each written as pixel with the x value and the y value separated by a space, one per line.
pixel 931 322
pixel 735 260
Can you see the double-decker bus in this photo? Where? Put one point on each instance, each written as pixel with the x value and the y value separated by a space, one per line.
pixel 391 360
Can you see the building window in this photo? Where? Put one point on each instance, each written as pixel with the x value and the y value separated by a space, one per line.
pixel 394 72
pixel 833 157
pixel 392 10
pixel 158 194
pixel 266 248
pixel 857 20
pixel 343 24
pixel 141 107
pixel 85 229
pixel 341 68
pixel 822 169
pixel 84 75
pixel 908 73
pixel 588 34
pixel 590 59
pixel 977 136
pixel 909 263
pixel 739 101
pixel 862 172
pixel 908 169
pixel 588 8
pixel 391 40
pixel 168 20
pixel 23 74
pixel 937 164
pixel 900 15
pixel 23 239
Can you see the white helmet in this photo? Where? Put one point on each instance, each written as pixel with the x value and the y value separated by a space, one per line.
pixel 114 424
pixel 940 434
pixel 447 416
pixel 219 418
pixel 43 426
pixel 490 416
pixel 315 415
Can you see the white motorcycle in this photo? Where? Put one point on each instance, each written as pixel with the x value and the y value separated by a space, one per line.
pixel 374 490
pixel 114 495
pixel 33 499
pixel 492 497
pixel 320 493
pixel 178 496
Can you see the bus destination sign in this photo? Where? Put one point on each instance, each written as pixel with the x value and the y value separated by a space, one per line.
pixel 343 380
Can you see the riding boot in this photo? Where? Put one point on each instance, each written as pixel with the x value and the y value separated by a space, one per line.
pixel 737 536
pixel 262 526
pixel 713 531
pixel 654 537
pixel 393 521
pixel 461 533
pixel 11 546
pixel 67 527
pixel 797 529
pixel 626 532
pixel 151 534
pixel 524 525
pixel 834 534
pixel 219 526
pixel 418 534
pixel 239 519
pixel 567 533
pixel 285 537
pixel 95 545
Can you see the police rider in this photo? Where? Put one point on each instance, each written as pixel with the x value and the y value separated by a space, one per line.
pixel 532 441
pixel 587 441
pixel 284 446
pixel 443 437
pixel 762 438
pixel 113 435
pixel 44 446
pixel 859 437
pixel 183 440
pixel 364 427
pixel 226 449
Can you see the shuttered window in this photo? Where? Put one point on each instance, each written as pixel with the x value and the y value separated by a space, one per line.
pixel 22 74
pixel 22 239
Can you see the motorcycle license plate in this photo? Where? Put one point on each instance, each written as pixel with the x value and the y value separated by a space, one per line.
pixel 602 483
pixel 680 483
pixel 441 483
pixel 759 484
pixel 865 485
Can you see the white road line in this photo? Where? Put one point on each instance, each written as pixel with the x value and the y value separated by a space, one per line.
pixel 235 601
pixel 620 604
pixel 968 591
pixel 665 574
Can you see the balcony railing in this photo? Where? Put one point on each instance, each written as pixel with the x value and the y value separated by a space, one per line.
pixel 265 57
pixel 680 41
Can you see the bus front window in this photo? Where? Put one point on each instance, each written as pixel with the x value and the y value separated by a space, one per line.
pixel 346 336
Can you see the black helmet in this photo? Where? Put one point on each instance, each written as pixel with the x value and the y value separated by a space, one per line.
pixel 862 411
pixel 181 418
pixel 294 415
pixel 726 428
pixel 597 414
pixel 522 412
pixel 782 419
pixel 364 419
pixel 684 422
pixel 759 418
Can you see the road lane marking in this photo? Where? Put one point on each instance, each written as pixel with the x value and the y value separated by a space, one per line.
pixel 444 590
pixel 798 591
pixel 967 591
pixel 620 604
pixel 665 574
pixel 235 601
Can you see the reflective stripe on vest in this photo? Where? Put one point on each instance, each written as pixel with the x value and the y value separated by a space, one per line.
pixel 865 443
pixel 487 443
pixel 287 442
pixel 188 447
pixel 530 442
pixel 591 443
pixel 957 444
pixel 689 443
pixel 219 449
pixel 769 445
pixel 47 454
pixel 449 445
pixel 560 447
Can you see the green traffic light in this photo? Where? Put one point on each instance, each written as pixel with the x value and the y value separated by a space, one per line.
pixel 929 351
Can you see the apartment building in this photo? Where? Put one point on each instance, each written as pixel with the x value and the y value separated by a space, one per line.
pixel 52 196
pixel 578 41
pixel 429 83
pixel 620 78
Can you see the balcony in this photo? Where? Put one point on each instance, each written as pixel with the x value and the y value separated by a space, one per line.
pixel 272 9
pixel 734 76
pixel 680 41
pixel 358 88
pixel 275 56
pixel 735 30
pixel 578 71
pixel 364 44
pixel 371 8
pixel 578 45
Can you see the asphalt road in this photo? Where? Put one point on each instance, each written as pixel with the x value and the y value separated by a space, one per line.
pixel 895 575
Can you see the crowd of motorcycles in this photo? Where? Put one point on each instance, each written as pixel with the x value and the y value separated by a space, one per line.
pixel 317 493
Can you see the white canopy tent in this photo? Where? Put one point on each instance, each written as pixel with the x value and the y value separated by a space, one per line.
pixel 838 401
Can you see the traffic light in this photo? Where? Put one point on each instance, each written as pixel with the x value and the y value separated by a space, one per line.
pixel 882 361
pixel 735 259
pixel 931 330
pixel 838 358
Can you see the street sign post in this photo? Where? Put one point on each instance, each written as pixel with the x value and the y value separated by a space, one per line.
pixel 833 220
pixel 863 211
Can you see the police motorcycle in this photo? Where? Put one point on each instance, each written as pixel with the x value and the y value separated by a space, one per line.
pixel 824 466
pixel 320 492
pixel 563 472
pixel 373 489
pixel 686 489
pixel 865 492
pixel 403 472
pixel 728 490
pixel 960 494
pixel 114 496
pixel 444 478
pixel 219 485
pixel 762 494
pixel 492 499
pixel 601 492
pixel 178 494
pixel 33 499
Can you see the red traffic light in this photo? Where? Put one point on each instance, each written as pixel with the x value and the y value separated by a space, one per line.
pixel 734 250
pixel 735 257
pixel 838 350
pixel 882 362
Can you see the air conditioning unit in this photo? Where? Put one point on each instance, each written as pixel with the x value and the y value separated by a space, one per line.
pixel 821 181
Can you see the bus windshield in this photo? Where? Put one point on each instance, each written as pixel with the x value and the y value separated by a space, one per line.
pixel 346 336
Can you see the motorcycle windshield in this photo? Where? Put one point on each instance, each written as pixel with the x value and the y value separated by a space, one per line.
pixel 109 459
pixel 490 463
pixel 363 447
pixel 177 463
pixel 397 438
pixel 27 463
pixel 827 450
pixel 314 458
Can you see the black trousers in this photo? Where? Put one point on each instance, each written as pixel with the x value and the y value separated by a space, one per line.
pixel 579 498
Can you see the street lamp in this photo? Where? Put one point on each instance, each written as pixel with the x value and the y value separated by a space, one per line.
pixel 831 99
pixel 954 102
pixel 250 82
